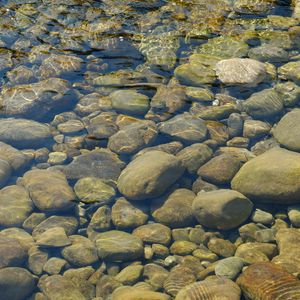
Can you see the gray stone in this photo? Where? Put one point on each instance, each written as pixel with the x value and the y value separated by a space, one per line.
pixel 229 267
pixel 287 131
pixel 242 71
pixel 22 133
pixel 53 237
pixel 133 138
pixel 263 217
pixel 221 209
pixel 185 128
pixel 269 53
pixel 263 105
pixel 149 175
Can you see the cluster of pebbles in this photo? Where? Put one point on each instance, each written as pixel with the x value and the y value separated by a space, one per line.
pixel 140 184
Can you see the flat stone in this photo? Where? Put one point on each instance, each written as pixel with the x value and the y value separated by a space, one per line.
pixel 94 190
pixel 15 206
pixel 221 209
pixel 133 138
pixel 258 177
pixel 58 287
pixel 263 105
pixel 149 175
pixel 129 102
pixel 153 233
pixel 185 128
pixel 53 237
pixel 263 217
pixel 100 163
pixel 16 284
pixel 243 71
pixel 21 133
pixel 37 99
pixel 117 245
pixel 229 267
pixel 287 131
pixel 48 190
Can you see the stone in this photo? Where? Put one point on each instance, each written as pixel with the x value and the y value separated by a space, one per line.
pixel 269 53
pixel 265 235
pixel 235 124
pixel 221 247
pixel 290 93
pixel 254 129
pixel 69 223
pixel 129 102
pixel 240 71
pixel 263 105
pixel 288 243
pixel 117 245
pixel 16 284
pixel 53 237
pixel 194 156
pixel 100 163
pixel 12 253
pixel 215 287
pixel 57 158
pixel 24 238
pixel 202 186
pixel 94 190
pixel 220 169
pixel 155 275
pixel 130 275
pixel 37 259
pixel 106 285
pixel 132 138
pixel 21 75
pixel 287 131
pixel 16 158
pixel 258 177
pixel 57 65
pixel 48 190
pixel 54 265
pixel 229 267
pixel 268 281
pixel 199 94
pixel 294 215
pixel 290 71
pixel 136 184
pixel 183 248
pixel 263 217
pixel 185 128
pixel 100 221
pixel 176 211
pixel 37 99
pixel 15 206
pixel 71 127
pixel 153 233
pixel 22 134
pixel 58 287
pixel 125 215
pixel 81 252
pixel 203 254
pixel 132 293
pixel 221 209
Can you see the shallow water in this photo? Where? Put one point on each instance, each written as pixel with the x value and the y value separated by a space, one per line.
pixel 88 74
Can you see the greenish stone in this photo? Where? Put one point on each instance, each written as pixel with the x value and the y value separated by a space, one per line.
pixel 94 190
pixel 130 102
pixel 290 71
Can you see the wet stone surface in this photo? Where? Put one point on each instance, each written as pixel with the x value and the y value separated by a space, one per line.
pixel 149 150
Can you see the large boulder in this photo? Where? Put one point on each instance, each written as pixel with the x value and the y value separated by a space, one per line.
pixel 270 177
pixel 221 209
pixel 48 190
pixel 149 175
pixel 22 133
pixel 287 131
